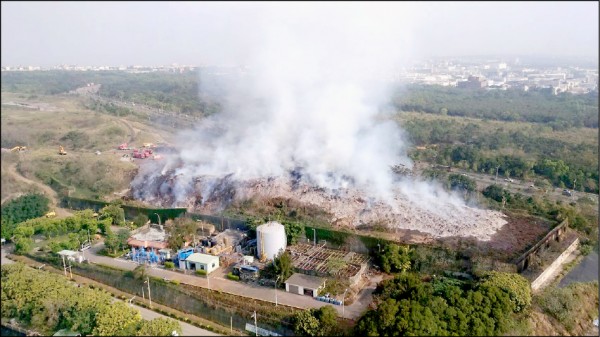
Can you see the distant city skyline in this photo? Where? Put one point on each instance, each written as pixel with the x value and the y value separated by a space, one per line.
pixel 142 33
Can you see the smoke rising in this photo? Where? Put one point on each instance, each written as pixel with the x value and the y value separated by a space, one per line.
pixel 311 100
pixel 309 110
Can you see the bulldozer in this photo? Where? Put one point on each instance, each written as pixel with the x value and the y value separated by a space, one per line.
pixel 61 150
pixel 18 148
pixel 50 214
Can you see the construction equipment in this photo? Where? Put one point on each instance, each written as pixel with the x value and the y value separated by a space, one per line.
pixel 142 154
pixel 51 214
pixel 61 150
pixel 18 148
pixel 148 145
pixel 124 147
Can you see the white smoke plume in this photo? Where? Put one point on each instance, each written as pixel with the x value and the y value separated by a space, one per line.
pixel 311 104
pixel 311 100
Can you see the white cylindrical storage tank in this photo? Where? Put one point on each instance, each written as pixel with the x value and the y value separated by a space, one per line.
pixel 270 240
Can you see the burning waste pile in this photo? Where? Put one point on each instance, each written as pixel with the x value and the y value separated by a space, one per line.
pixel 306 125
pixel 440 215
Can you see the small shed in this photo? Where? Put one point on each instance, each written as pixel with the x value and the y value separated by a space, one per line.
pixel 302 284
pixel 198 261
pixel 165 253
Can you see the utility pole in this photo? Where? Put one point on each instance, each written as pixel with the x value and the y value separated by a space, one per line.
pixel 276 289
pixel 158 218
pixel 149 296
pixel 231 324
pixel 343 300
pixel 497 167
pixel 315 237
pixel 255 324
pixel 64 265
pixel 143 295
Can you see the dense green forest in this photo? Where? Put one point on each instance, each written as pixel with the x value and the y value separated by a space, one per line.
pixel 408 306
pixel 560 111
pixel 48 302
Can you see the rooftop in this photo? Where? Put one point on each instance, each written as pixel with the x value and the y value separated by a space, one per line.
pixel 150 234
pixel 306 281
pixel 202 258
pixel 146 244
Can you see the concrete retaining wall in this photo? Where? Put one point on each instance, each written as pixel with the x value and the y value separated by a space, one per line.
pixel 551 270
pixel 555 234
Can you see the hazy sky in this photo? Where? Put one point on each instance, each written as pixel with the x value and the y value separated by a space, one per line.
pixel 150 33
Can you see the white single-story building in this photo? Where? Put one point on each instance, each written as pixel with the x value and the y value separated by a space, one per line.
pixel 198 261
pixel 302 284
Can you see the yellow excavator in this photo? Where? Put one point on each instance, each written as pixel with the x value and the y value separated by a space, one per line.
pixel 50 214
pixel 18 148
pixel 61 150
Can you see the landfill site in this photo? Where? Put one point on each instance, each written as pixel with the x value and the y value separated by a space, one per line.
pixel 349 207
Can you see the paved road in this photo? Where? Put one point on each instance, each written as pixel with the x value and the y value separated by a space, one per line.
pixel 218 282
pixel 586 271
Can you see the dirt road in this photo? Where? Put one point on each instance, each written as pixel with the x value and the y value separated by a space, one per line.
pixel 49 192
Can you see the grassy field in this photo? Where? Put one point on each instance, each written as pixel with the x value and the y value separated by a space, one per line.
pixel 49 121
pixel 10 186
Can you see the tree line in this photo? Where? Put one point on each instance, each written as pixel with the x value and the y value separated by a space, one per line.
pixel 471 147
pixel 537 106
pixel 178 92
pixel 408 305
pixel 23 208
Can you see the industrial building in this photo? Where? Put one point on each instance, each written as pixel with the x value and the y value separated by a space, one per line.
pixel 302 284
pixel 270 240
pixel 198 261
pixel 150 238
pixel 473 82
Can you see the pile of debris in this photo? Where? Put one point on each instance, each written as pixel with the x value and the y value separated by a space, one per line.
pixel 348 207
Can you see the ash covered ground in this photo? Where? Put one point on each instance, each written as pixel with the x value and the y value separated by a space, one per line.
pixel 348 206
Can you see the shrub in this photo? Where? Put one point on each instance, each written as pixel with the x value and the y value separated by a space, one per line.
pixel 175 282
pixel 169 265
pixel 586 249
pixel 201 272
pixel 233 277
